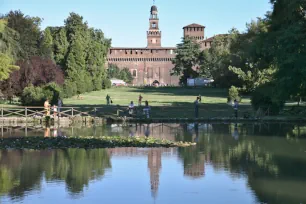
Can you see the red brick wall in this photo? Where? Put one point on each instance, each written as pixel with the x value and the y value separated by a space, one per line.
pixel 150 64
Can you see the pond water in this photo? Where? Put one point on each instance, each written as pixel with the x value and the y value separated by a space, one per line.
pixel 231 163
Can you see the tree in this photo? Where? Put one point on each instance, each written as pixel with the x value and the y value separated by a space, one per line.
pixel 29 32
pixel 47 44
pixel 286 34
pixel 124 74
pixel 249 57
pixel 60 44
pixel 6 66
pixel 36 71
pixel 9 40
pixel 186 60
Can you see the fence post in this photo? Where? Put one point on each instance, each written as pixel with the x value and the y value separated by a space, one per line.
pixel 72 112
pixel 26 112
pixel 2 111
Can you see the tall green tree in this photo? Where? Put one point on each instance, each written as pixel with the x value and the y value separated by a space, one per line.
pixel 60 44
pixel 29 32
pixel 186 60
pixel 288 45
pixel 47 44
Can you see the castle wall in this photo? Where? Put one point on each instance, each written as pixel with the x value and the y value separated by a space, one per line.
pixel 146 65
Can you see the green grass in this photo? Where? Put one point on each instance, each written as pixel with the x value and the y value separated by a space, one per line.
pixel 166 102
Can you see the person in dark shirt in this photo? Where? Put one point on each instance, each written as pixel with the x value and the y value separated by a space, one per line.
pixel 196 107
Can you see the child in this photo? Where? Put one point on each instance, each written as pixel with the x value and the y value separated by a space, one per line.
pixel 54 111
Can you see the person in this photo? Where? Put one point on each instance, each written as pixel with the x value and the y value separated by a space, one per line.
pixel 131 108
pixel 200 98
pixel 54 111
pixel 147 131
pixel 146 110
pixel 139 100
pixel 196 107
pixel 47 107
pixel 108 99
pixel 235 106
pixel 59 106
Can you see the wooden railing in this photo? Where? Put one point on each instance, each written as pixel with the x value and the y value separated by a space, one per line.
pixel 32 111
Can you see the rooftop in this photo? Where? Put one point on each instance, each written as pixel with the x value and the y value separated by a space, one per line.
pixel 194 25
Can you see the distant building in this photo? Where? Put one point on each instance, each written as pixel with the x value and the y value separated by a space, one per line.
pixel 154 62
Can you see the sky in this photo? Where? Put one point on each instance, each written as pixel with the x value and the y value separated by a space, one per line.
pixel 126 22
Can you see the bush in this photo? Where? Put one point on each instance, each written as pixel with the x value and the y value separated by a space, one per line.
pixel 32 96
pixel 264 97
pixel 106 83
pixel 36 96
pixel 233 94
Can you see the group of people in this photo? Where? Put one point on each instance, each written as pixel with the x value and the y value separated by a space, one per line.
pixel 131 107
pixel 199 100
pixel 55 108
pixel 146 109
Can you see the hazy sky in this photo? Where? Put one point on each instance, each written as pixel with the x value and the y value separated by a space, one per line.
pixel 126 22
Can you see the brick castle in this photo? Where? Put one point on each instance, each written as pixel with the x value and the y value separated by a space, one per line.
pixel 154 62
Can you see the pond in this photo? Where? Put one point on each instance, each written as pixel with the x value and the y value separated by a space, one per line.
pixel 231 163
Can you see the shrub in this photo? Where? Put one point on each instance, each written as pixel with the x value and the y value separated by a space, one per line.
pixel 233 94
pixel 36 96
pixel 106 83
pixel 264 97
pixel 32 96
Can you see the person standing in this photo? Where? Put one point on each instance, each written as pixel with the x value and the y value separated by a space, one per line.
pixel 59 106
pixel 140 100
pixel 235 106
pixel 196 107
pixel 146 110
pixel 131 108
pixel 47 107
pixel 108 100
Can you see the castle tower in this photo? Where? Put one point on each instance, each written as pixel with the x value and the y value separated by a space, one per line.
pixel 194 31
pixel 154 34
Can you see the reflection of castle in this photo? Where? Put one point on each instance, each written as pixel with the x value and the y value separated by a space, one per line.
pixel 154 165
pixel 196 170
pixel 154 161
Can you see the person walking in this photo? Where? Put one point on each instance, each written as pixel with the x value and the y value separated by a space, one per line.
pixel 108 98
pixel 59 106
pixel 235 106
pixel 196 107
pixel 140 100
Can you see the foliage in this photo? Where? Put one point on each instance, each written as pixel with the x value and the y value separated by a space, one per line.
pixel 6 66
pixel 114 72
pixel 28 29
pixel 106 83
pixel 36 96
pixel 36 71
pixel 233 94
pixel 186 61
pixel 69 88
pixel 264 98
pixel 286 35
pixel 47 44
pixel 87 142
pixel 9 38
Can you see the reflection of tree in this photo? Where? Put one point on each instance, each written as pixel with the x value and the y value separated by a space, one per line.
pixel 21 171
pixel 275 166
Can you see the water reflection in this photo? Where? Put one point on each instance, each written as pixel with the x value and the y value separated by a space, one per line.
pixel 270 158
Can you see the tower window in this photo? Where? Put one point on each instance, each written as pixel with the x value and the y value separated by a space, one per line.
pixel 153 25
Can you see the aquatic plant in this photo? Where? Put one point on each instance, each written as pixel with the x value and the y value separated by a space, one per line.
pixel 86 142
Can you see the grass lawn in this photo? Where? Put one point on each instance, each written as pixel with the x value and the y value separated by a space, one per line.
pixel 166 102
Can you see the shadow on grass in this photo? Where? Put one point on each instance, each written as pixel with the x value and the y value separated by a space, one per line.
pixel 180 91
pixel 173 110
